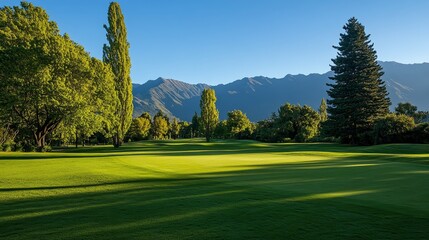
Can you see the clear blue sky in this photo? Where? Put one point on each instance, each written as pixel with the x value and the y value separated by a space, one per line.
pixel 218 41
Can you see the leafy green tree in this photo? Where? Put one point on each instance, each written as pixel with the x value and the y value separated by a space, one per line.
pixel 392 128
pixel 146 115
pixel 139 129
pixel 44 77
pixel 406 109
pixel 160 126
pixel 209 112
pixel 116 53
pixel 267 130
pixel 175 128
pixel 239 126
pixel 323 112
pixel 359 95
pixel 221 131
pixel 185 129
pixel 97 115
pixel 7 134
pixel 297 123
pixel 411 110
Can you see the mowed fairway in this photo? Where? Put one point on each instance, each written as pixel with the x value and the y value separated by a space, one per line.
pixel 189 189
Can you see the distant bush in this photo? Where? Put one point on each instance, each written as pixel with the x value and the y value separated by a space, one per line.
pixel 393 128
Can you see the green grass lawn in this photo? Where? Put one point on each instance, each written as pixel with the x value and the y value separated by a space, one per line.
pixel 224 190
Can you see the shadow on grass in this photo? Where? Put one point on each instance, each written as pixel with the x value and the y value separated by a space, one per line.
pixel 200 148
pixel 316 200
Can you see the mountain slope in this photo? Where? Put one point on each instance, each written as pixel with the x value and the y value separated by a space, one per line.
pixel 259 96
pixel 166 95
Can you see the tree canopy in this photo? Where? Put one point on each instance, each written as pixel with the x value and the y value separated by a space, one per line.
pixel 45 77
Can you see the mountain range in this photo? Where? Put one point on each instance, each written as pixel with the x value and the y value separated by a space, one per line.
pixel 260 96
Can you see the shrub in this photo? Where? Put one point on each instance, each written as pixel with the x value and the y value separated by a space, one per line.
pixel 28 147
pixel 7 146
pixel 420 133
pixel 45 148
pixel 365 138
pixel 18 147
pixel 393 128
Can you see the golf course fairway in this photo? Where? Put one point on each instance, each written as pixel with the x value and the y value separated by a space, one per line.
pixel 189 189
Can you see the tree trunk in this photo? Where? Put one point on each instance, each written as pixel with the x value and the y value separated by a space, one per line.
pixel 208 134
pixel 39 137
pixel 116 142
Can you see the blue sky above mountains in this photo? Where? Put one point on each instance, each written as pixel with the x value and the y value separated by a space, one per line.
pixel 219 41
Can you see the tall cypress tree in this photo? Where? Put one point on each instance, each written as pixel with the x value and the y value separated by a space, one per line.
pixel 209 112
pixel 116 54
pixel 358 95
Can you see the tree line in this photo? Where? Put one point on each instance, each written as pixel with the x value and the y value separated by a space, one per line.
pixel 54 93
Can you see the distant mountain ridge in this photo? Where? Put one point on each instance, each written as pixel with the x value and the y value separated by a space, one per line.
pixel 259 96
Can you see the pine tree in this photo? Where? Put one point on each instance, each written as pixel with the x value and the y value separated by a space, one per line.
pixel 359 95
pixel 209 112
pixel 116 53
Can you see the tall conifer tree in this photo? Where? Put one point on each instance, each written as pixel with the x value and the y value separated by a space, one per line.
pixel 116 54
pixel 358 95
pixel 209 112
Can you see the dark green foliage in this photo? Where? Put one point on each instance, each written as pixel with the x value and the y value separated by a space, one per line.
pixel 239 126
pixel 359 95
pixel 411 110
pixel 297 123
pixel 116 54
pixel 293 122
pixel 406 109
pixel 420 134
pixel 209 112
pixel 196 126
pixel 266 130
pixel 185 130
pixel 392 128
pixel 221 131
